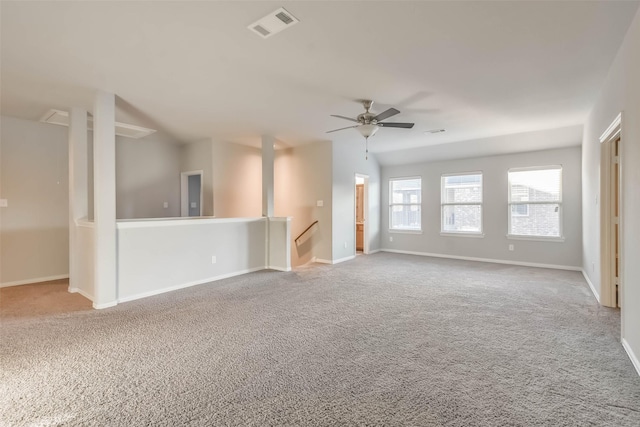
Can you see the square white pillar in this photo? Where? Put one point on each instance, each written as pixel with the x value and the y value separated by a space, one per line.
pixel 78 187
pixel 268 158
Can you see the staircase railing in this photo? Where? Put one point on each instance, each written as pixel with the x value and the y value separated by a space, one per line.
pixel 304 233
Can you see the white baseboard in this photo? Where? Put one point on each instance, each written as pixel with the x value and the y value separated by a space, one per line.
pixel 279 268
pixel 375 251
pixel 347 258
pixel 35 280
pixel 491 260
pixel 322 261
pixel 105 305
pixel 632 355
pixel 187 285
pixel 81 292
pixel 593 288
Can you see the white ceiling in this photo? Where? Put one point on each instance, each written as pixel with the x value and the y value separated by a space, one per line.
pixel 194 70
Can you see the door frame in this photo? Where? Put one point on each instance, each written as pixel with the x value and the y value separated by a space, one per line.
pixel 607 200
pixel 184 191
pixel 365 209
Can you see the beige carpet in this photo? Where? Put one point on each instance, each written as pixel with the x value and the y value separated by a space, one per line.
pixel 46 298
pixel 381 340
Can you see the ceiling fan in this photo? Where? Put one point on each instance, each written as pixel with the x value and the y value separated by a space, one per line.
pixel 368 123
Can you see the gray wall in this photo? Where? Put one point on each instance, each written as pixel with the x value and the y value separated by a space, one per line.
pixel 349 159
pixel 147 175
pixel 494 245
pixel 302 177
pixel 621 92
pixel 34 237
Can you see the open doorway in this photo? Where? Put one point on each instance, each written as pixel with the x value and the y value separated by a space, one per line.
pixel 191 193
pixel 361 213
pixel 611 256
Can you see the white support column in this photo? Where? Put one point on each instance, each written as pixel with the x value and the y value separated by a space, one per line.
pixel 104 196
pixel 268 157
pixel 78 186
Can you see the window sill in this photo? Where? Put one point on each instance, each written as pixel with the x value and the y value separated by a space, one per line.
pixel 405 231
pixel 535 238
pixel 453 234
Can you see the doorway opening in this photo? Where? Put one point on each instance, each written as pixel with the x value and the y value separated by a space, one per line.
pixel 191 193
pixel 361 214
pixel 611 226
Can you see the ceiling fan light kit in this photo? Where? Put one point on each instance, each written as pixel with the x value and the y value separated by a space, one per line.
pixel 369 123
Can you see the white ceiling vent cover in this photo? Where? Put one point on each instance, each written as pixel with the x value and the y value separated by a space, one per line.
pixel 273 23
pixel 59 117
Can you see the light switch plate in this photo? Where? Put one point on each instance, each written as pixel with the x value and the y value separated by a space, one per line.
pixel 320 203
pixel 194 205
pixel 166 204
pixel 4 203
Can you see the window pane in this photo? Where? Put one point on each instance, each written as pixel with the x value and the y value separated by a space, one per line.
pixel 462 188
pixel 406 190
pixel 535 185
pixel 405 217
pixel 535 220
pixel 462 218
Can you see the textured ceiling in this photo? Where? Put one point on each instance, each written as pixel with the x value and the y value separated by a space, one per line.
pixel 194 70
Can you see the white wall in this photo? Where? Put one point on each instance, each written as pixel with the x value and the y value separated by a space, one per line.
pixel 494 245
pixel 147 175
pixel 34 236
pixel 349 159
pixel 159 256
pixel 302 177
pixel 237 180
pixel 621 92
pixel 198 156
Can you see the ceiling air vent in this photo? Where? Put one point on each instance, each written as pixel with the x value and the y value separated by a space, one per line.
pixel 59 117
pixel 273 23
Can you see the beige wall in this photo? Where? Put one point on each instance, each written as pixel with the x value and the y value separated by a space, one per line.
pixel 34 239
pixel 237 180
pixel 302 177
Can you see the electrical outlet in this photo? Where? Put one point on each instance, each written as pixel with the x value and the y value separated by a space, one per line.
pixel 320 203
pixel 511 247
pixel 345 245
pixel 391 238
pixel 213 259
pixel 4 203
pixel 166 205
pixel 593 267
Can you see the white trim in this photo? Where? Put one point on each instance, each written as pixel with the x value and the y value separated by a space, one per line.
pixel 494 261
pixel 634 359
pixel 105 305
pixel 392 230
pixel 375 251
pixel 339 260
pixel 536 238
pixel 462 234
pixel 278 268
pixel 34 280
pixel 188 284
pixel 593 288
pixel 274 218
pixel 81 292
pixel 614 126
pixel 169 222
pixel 84 222
pixel 321 261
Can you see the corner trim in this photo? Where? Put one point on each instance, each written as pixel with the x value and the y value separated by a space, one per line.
pixel 593 288
pixel 34 280
pixel 81 292
pixel 185 285
pixel 375 251
pixel 105 305
pixel 495 261
pixel 347 258
pixel 321 261
pixel 632 355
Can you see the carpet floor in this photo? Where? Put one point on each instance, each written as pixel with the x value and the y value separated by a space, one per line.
pixel 384 339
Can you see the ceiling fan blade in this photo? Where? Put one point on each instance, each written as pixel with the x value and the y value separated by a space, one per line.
pixel 386 114
pixel 348 127
pixel 343 117
pixel 396 125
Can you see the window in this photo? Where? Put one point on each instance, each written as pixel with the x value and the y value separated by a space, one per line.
pixel 535 202
pixel 405 201
pixel 461 203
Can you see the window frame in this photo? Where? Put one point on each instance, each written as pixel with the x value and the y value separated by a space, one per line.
pixel 391 205
pixel 444 232
pixel 559 202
